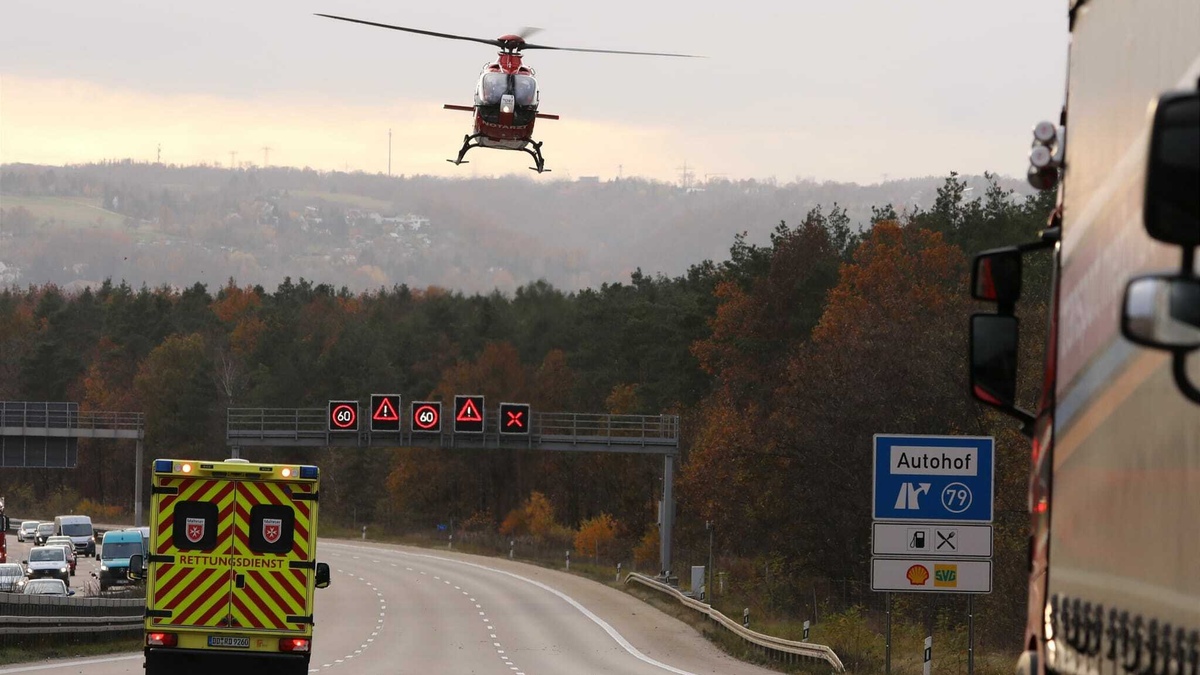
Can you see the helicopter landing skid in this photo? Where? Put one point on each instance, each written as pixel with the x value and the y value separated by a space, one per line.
pixel 472 141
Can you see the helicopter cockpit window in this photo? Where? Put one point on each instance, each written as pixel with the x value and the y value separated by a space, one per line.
pixel 526 90
pixel 491 87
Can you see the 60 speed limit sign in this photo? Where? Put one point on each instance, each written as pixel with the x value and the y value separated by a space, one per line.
pixel 426 417
pixel 343 416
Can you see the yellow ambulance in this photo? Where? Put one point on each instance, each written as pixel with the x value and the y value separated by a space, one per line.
pixel 231 571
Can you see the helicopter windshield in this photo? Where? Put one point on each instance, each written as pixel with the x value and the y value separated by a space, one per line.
pixel 491 87
pixel 526 90
pixel 494 85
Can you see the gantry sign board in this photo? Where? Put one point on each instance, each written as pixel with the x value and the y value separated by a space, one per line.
pixel 934 478
pixel 514 419
pixel 343 416
pixel 385 412
pixel 468 414
pixel 425 417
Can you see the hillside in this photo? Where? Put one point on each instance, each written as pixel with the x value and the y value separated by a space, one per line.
pixel 156 224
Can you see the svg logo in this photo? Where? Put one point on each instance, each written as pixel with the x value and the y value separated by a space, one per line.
pixel 945 576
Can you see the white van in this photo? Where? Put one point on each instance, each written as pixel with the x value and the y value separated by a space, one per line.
pixel 79 529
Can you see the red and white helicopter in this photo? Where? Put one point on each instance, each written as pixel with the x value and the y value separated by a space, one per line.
pixel 506 96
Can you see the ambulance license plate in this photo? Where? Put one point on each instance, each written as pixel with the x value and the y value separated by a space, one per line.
pixel 228 641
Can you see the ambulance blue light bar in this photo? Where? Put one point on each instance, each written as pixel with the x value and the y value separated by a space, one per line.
pixel 162 465
pixel 309 472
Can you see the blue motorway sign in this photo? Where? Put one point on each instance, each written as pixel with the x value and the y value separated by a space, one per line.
pixel 934 478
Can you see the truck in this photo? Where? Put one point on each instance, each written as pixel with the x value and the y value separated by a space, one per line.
pixel 1114 491
pixel 232 568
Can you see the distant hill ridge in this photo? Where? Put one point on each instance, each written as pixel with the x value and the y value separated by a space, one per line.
pixel 158 224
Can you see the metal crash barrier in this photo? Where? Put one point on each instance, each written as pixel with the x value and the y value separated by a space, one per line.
pixel 778 649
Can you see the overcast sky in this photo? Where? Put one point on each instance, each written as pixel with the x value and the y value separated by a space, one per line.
pixel 848 90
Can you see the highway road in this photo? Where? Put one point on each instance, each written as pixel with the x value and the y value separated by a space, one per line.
pixel 398 610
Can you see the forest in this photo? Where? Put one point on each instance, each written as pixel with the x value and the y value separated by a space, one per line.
pixel 782 360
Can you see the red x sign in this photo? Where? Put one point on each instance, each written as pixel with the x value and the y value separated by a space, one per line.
pixel 514 418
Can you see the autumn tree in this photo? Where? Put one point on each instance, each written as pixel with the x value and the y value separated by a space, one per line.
pixel 595 535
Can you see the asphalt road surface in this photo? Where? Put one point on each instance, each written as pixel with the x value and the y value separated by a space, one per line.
pixel 405 611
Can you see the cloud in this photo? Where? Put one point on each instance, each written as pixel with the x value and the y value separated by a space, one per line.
pixel 60 121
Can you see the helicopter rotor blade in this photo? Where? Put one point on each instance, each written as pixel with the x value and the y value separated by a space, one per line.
pixel 527 31
pixel 450 36
pixel 608 51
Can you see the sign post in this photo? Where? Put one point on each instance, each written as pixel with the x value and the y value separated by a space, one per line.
pixel 932 501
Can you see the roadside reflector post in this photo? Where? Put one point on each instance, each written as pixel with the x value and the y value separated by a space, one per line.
pixel 450 544
pixel 364 533
pixel 568 561
pixel 618 573
pixel 512 545
pixel 746 617
pixel 928 653
pixel 805 632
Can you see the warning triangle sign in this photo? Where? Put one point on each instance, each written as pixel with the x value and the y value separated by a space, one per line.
pixel 386 412
pixel 468 413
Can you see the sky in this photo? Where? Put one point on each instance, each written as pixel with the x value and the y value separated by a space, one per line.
pixel 845 90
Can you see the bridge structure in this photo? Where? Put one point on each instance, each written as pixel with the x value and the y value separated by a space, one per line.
pixel 547 431
pixel 45 435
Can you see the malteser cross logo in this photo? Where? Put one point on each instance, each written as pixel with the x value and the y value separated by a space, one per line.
pixel 271 529
pixel 195 529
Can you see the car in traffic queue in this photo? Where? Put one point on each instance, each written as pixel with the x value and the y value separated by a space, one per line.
pixel 43 532
pixel 117 547
pixel 50 587
pixel 68 547
pixel 48 561
pixel 12 578
pixel 27 531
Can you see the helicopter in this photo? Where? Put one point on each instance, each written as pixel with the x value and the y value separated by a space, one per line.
pixel 506 94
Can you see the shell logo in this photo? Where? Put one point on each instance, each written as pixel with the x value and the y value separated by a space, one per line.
pixel 917 575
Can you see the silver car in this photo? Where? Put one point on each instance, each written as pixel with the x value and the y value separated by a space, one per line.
pixel 27 530
pixel 12 578
pixel 52 587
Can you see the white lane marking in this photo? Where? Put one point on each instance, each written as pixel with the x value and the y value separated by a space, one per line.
pixel 604 625
pixel 68 664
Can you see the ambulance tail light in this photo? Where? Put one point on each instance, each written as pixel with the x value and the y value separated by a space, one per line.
pixel 294 645
pixel 309 472
pixel 162 640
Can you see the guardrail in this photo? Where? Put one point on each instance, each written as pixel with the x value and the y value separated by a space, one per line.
pixel 43 615
pixel 23 415
pixel 788 651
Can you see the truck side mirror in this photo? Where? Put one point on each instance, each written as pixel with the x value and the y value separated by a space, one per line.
pixel 994 358
pixel 994 340
pixel 322 575
pixel 137 567
pixel 996 276
pixel 1172 202
pixel 1163 312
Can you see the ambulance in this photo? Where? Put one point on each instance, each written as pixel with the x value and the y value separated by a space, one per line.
pixel 231 570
